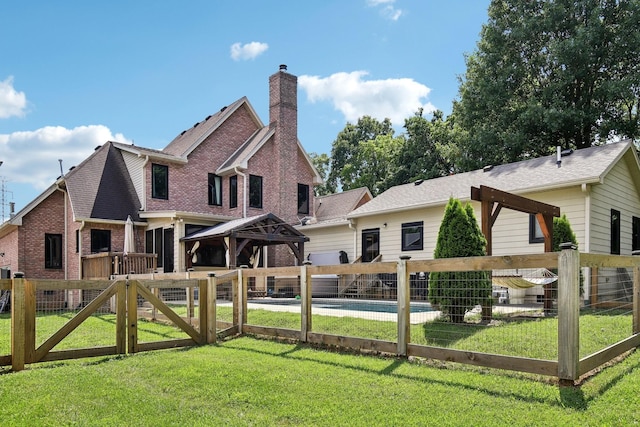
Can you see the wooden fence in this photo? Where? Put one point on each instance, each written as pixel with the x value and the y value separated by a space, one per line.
pixel 239 286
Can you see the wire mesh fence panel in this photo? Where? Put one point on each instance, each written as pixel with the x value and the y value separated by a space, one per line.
pixel 154 324
pixel 224 303
pixel 361 306
pixel 499 312
pixel 607 316
pixel 57 307
pixel 274 302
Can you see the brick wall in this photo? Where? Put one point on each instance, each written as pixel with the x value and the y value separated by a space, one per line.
pixel 47 217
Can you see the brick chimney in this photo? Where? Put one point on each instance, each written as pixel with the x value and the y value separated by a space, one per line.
pixel 283 114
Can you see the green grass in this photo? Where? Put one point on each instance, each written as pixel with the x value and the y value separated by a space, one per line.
pixel 263 383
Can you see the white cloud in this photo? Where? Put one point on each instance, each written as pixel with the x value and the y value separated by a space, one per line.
pixel 247 51
pixel 387 8
pixel 354 97
pixel 12 102
pixel 31 157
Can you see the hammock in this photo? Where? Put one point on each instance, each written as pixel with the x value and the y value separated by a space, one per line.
pixel 511 278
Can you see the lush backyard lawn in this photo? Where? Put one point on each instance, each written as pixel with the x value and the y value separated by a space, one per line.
pixel 247 381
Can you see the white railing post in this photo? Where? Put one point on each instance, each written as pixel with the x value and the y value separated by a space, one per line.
pixel 568 312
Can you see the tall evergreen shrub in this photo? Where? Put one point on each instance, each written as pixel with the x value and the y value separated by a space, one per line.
pixel 457 292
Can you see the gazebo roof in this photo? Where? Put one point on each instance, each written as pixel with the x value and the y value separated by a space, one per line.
pixel 266 229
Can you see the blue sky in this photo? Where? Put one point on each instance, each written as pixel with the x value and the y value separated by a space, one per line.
pixel 74 74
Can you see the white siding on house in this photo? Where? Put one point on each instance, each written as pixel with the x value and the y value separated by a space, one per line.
pixel 135 167
pixel 618 191
pixel 335 238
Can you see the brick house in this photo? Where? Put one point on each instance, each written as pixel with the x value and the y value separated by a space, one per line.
pixel 225 167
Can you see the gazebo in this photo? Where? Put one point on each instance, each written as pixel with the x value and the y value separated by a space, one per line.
pixel 244 238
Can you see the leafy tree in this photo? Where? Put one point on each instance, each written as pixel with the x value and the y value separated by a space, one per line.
pixel 347 159
pixel 321 163
pixel 548 73
pixel 424 155
pixel 459 236
pixel 562 232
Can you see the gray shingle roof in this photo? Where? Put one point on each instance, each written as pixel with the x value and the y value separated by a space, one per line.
pixel 188 139
pixel 100 187
pixel 588 165
pixel 337 206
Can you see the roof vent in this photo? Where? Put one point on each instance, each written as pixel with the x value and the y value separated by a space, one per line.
pixel 283 67
pixel 567 152
pixel 223 108
pixel 208 117
pixel 487 168
pixel 196 125
pixel 418 182
pixel 71 168
pixel 96 149
pixel 183 132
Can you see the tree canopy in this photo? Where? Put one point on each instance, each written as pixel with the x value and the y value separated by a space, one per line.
pixel 549 73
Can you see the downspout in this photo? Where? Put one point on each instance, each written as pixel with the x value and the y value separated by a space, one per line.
pixel 352 226
pixel 244 191
pixel 82 224
pixel 144 183
pixel 586 190
pixel 66 236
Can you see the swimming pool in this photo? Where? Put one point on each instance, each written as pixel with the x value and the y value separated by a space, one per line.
pixel 351 304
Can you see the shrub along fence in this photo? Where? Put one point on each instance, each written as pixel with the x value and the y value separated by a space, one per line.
pixel 370 307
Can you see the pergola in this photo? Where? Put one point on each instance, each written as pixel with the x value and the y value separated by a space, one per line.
pixel 493 200
pixel 246 235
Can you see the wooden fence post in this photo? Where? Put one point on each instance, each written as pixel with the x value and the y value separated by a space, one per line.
pixel 636 296
pixel 212 297
pixel 404 309
pixel 305 300
pixel 132 315
pixel 242 299
pixel 121 318
pixel 18 322
pixel 568 312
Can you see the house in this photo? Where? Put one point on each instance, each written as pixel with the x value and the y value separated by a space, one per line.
pixel 597 188
pixel 226 167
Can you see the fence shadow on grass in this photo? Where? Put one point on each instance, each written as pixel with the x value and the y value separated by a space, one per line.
pixel 391 369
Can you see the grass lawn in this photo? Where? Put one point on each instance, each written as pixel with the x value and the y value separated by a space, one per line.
pixel 246 381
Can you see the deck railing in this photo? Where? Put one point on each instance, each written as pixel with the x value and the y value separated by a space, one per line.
pixel 104 265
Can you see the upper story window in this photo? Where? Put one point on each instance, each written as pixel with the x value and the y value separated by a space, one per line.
pixel 412 235
pixel 100 241
pixel 255 191
pixel 53 251
pixel 159 181
pixel 215 190
pixel 615 232
pixel 233 191
pixel 535 232
pixel 303 199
